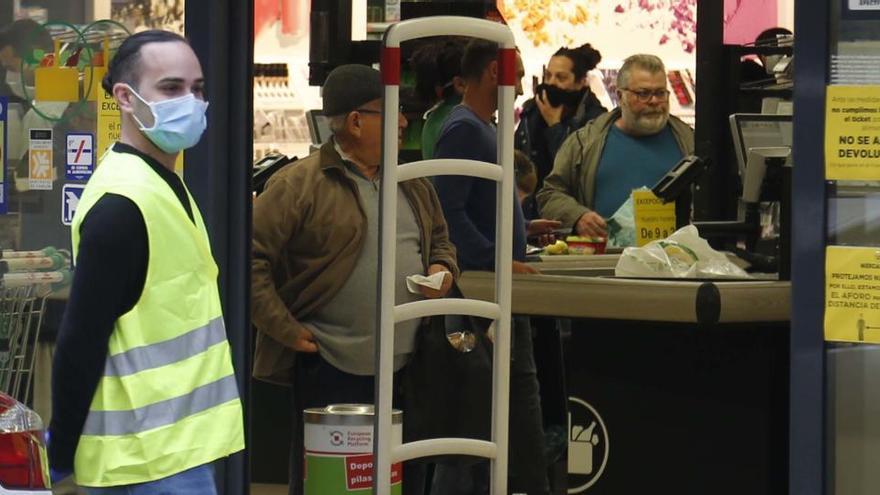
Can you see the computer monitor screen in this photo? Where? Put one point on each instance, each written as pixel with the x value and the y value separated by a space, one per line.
pixel 319 127
pixel 755 130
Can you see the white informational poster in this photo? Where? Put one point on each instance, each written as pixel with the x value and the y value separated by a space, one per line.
pixel 40 160
pixel 80 155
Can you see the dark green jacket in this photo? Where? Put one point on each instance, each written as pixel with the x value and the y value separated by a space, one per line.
pixel 570 189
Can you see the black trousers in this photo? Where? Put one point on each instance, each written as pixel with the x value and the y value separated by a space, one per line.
pixel 527 463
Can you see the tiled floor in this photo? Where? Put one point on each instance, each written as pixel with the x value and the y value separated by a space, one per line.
pixel 262 489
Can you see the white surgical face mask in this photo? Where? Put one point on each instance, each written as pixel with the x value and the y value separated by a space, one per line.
pixel 13 80
pixel 178 123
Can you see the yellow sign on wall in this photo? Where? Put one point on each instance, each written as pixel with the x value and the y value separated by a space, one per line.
pixel 92 83
pixel 109 125
pixel 56 84
pixel 852 294
pixel 852 133
pixel 654 220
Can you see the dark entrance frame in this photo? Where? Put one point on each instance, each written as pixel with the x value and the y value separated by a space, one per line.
pixel 807 413
pixel 218 172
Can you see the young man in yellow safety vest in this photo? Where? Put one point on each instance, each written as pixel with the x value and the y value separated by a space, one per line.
pixel 143 387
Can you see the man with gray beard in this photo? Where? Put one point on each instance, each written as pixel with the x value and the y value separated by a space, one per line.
pixel 632 146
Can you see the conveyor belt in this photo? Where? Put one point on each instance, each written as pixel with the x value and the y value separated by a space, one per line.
pixel 588 292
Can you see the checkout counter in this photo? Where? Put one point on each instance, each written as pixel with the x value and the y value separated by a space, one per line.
pixel 673 386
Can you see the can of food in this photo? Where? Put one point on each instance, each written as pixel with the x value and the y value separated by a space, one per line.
pixel 585 245
pixel 339 450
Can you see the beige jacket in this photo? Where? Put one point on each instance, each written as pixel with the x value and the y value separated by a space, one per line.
pixel 309 228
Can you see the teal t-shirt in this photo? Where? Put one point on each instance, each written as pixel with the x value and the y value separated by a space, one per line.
pixel 629 163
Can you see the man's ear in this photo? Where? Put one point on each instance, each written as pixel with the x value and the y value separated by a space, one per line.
pixel 124 98
pixel 493 71
pixel 458 84
pixel 353 124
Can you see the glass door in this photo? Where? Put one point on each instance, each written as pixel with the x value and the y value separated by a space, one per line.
pixel 56 121
pixel 852 264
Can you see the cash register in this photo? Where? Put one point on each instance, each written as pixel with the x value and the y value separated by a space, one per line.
pixel 761 234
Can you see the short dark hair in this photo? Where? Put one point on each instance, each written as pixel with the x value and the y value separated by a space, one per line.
pixel 583 59
pixel 478 54
pixel 125 66
pixel 25 36
pixel 437 64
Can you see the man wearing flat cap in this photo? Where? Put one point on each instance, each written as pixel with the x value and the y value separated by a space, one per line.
pixel 315 258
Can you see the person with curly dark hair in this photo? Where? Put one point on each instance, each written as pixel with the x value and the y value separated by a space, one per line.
pixel 562 104
pixel 636 144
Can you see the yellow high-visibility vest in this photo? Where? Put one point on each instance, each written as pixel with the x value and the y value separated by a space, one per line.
pixel 168 399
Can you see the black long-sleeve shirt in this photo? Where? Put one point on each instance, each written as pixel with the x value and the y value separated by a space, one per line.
pixel 111 269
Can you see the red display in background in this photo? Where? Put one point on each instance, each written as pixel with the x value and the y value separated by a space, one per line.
pixel 265 13
pixel 745 19
pixel 679 88
pixel 295 16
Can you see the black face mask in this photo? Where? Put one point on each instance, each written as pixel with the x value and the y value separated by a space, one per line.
pixel 556 96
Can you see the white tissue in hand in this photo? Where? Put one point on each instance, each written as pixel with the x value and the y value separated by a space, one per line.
pixel 434 281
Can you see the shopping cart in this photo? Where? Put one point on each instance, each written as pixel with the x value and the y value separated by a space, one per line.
pixel 23 293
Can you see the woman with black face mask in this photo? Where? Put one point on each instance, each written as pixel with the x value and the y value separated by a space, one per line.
pixel 563 103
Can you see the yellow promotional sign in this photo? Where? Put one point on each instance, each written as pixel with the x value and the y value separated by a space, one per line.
pixel 92 82
pixel 56 84
pixel 852 133
pixel 654 220
pixel 109 125
pixel 852 294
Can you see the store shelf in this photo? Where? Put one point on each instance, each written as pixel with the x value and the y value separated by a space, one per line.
pixel 762 50
pixel 777 92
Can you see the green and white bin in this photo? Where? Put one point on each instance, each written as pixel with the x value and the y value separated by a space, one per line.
pixel 339 450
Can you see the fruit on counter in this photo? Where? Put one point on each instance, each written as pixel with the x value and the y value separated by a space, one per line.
pixel 560 247
pixel 578 238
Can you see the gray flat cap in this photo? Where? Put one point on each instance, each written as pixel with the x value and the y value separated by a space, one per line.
pixel 349 86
